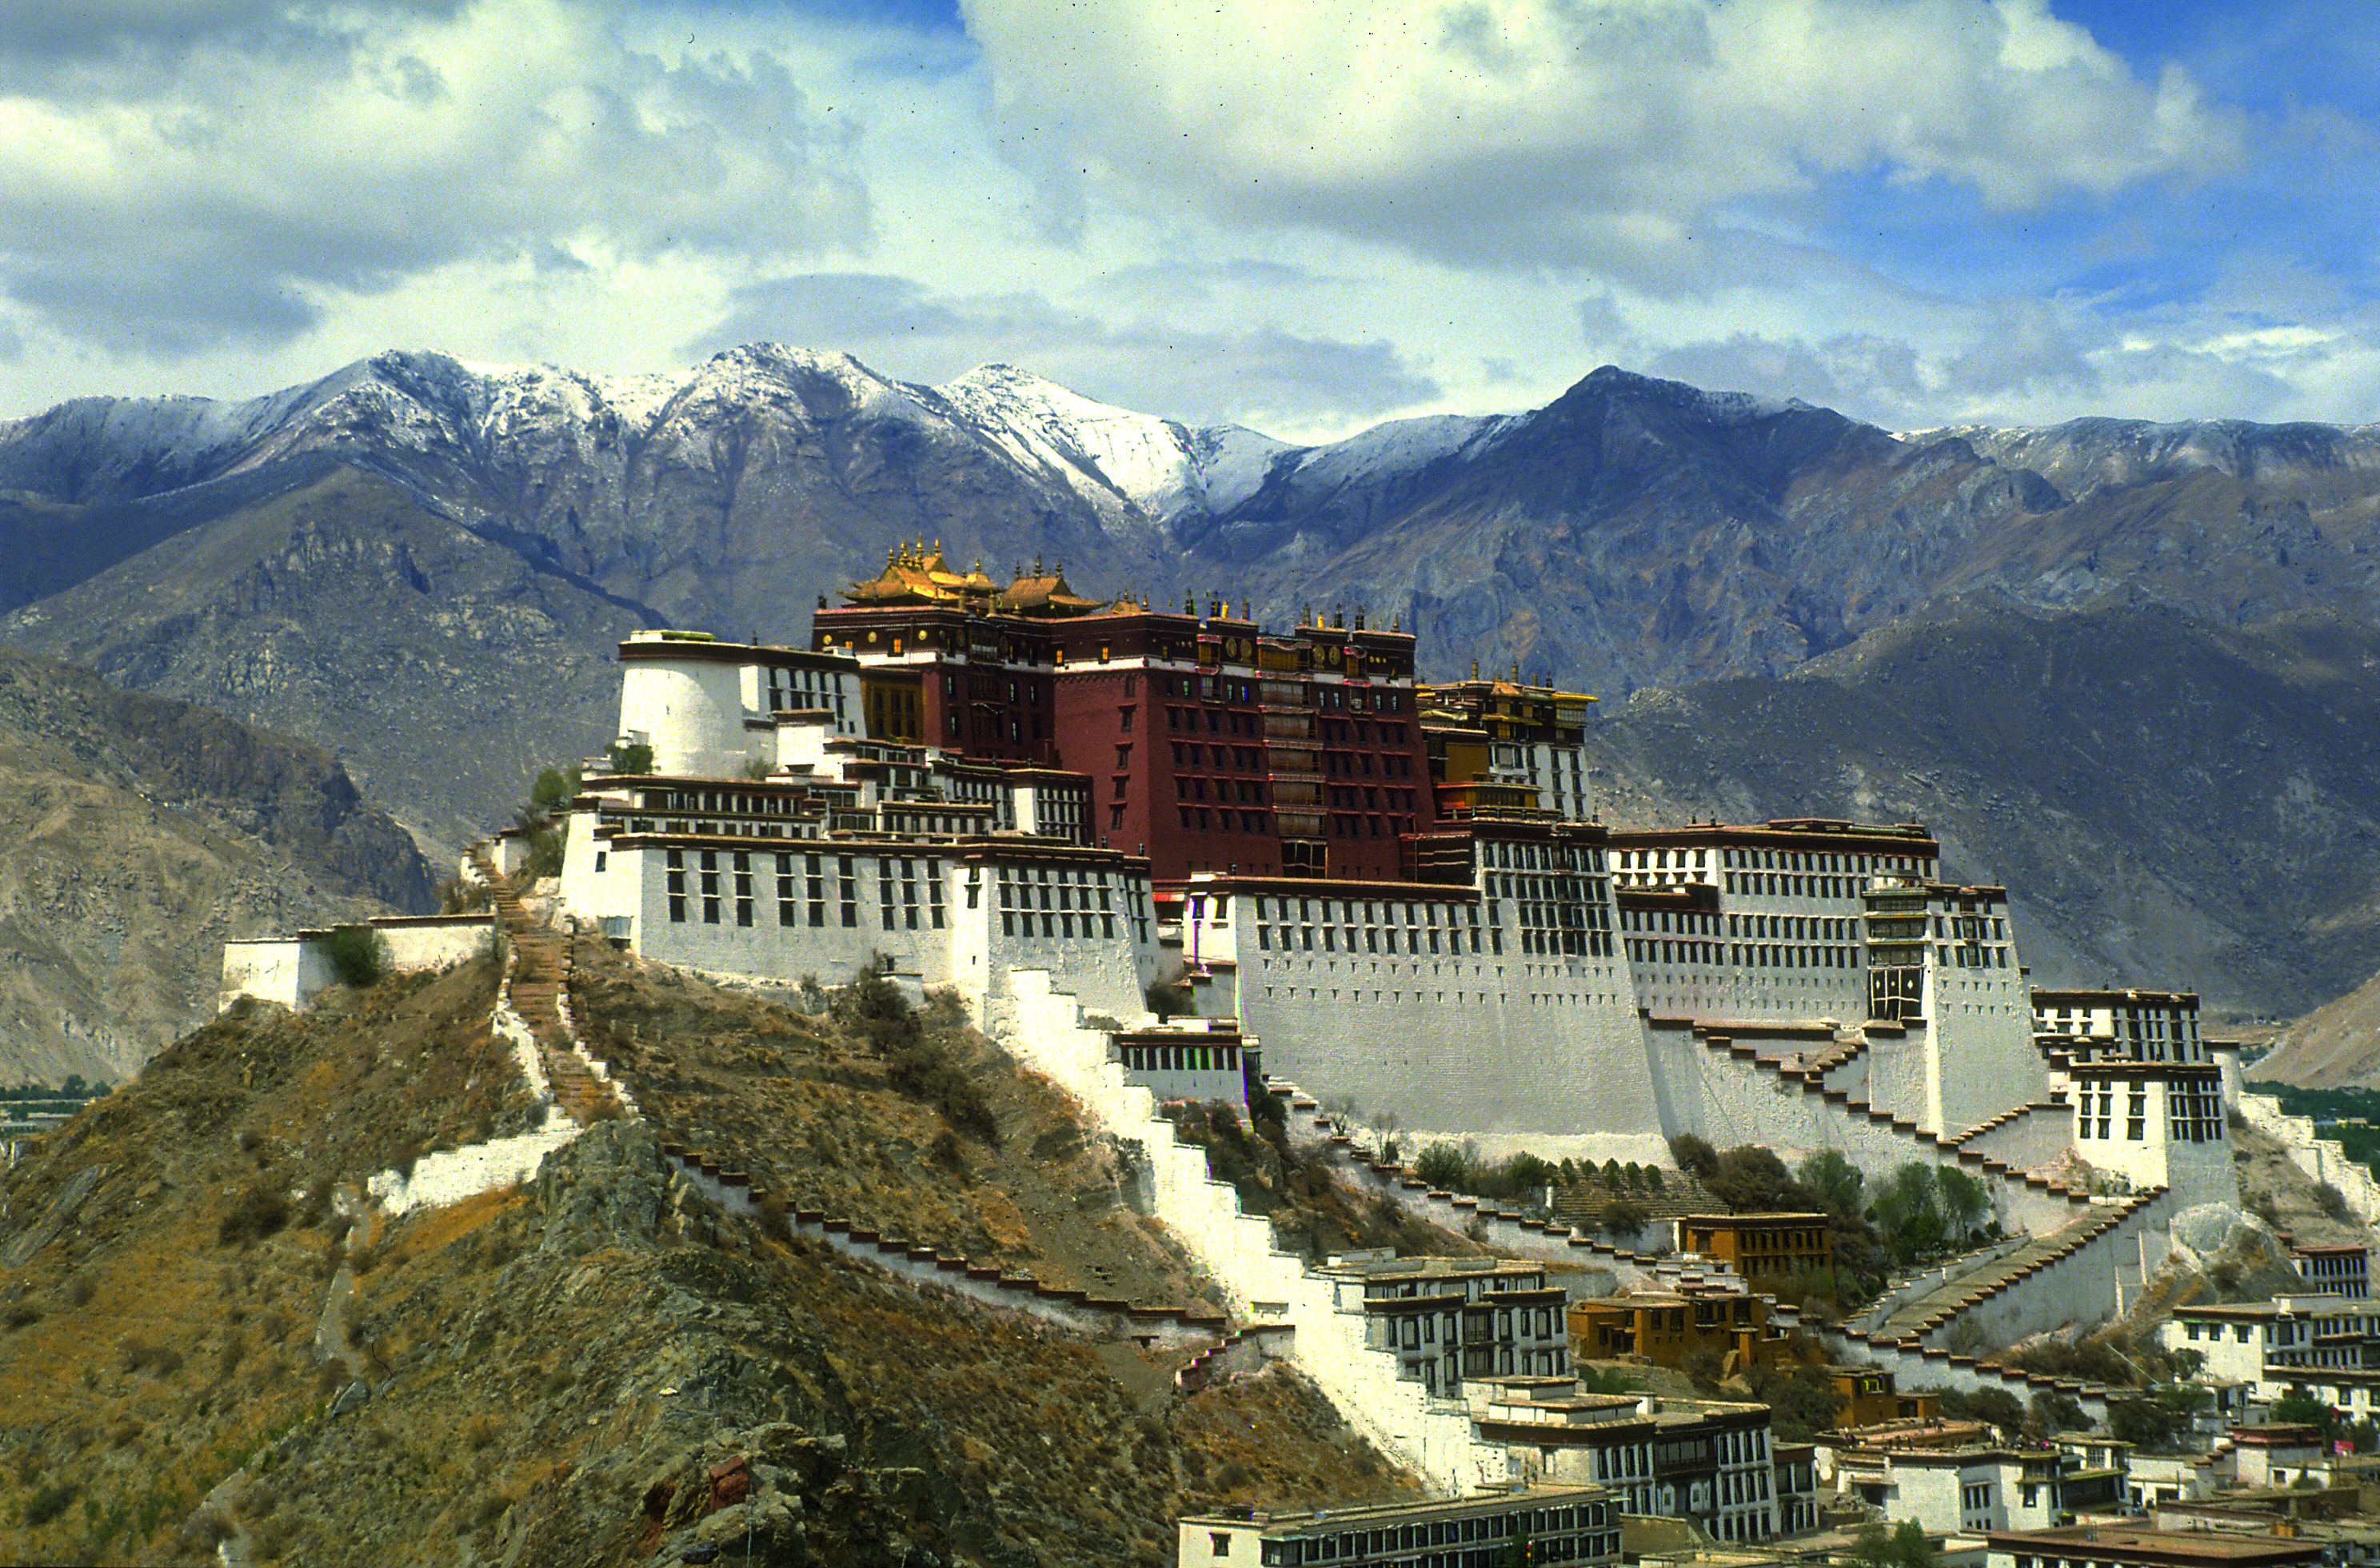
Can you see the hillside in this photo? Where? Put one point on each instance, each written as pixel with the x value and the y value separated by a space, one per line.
pixel 2336 1046
pixel 2162 798
pixel 545 1374
pixel 139 833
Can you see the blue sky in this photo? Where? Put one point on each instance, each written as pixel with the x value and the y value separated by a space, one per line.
pixel 1302 217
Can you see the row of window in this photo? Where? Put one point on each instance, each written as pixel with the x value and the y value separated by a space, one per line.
pixel 1545 1529
pixel 1181 1058
pixel 1503 857
pixel 1742 956
pixel 1770 861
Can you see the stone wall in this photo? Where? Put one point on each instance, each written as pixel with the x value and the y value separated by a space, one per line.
pixel 293 970
pixel 2320 1159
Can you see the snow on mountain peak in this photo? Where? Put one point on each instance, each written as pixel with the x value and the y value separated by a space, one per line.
pixel 1105 453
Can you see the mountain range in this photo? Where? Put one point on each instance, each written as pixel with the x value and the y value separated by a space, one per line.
pixel 2118 663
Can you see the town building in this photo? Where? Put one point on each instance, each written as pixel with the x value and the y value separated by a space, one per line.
pixel 2108 1546
pixel 1450 1319
pixel 2326 1346
pixel 1532 1523
pixel 2335 1268
pixel 1868 1396
pixel 1217 746
pixel 1768 1250
pixel 2147 1089
pixel 1968 1487
pixel 1503 745
pixel 1712 1461
pixel 1396 886
pixel 1666 1327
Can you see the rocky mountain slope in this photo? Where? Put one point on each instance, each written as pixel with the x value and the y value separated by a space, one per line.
pixel 2161 795
pixel 139 833
pixel 422 565
pixel 196 1343
pixel 2336 1046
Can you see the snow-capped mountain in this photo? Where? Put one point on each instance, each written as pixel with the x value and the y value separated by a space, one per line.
pixel 415 550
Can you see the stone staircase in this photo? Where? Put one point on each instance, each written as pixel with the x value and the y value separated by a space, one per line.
pixel 1809 1078
pixel 536 983
pixel 1042 1028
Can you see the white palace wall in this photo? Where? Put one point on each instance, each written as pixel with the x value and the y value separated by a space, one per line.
pixel 1984 1059
pixel 1429 1436
pixel 1446 1036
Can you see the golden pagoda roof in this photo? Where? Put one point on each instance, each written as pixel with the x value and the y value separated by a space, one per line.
pixel 917 574
pixel 1045 593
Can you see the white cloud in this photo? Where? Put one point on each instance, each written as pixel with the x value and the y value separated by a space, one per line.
pixel 1613 135
pixel 234 188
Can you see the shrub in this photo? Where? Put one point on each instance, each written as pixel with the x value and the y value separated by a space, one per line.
pixel 2333 1202
pixel 457 896
pixel 1694 1156
pixel 624 757
pixel 1624 1217
pixel 357 955
pixel 925 1071
pixel 20 1315
pixel 255 1214
pixel 1445 1166
pixel 544 853
pixel 49 1502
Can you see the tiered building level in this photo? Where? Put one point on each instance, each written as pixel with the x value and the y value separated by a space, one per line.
pixel 1399 889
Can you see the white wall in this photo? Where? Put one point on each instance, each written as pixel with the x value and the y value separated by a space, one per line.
pixel 283 969
pixel 689 711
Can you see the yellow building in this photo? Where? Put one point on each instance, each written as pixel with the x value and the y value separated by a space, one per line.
pixel 1665 1329
pixel 1768 1250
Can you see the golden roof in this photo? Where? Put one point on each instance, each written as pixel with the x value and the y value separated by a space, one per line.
pixel 917 574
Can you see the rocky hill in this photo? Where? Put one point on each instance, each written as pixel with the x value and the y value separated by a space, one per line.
pixel 422 565
pixel 141 831
pixel 2336 1046
pixel 197 1341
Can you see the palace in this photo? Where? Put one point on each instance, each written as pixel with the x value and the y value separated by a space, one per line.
pixel 1400 890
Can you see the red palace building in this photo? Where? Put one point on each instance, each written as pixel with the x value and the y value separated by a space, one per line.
pixel 1212 744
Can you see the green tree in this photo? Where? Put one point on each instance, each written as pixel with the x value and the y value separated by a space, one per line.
pixel 2154 1422
pixel 1752 1180
pixel 1527 1175
pixel 552 790
pixel 1912 1547
pixel 2300 1408
pixel 1965 1202
pixel 629 757
pixel 1908 1212
pixel 1834 1178
pixel 2049 1413
pixel 1444 1166
pixel 1694 1156
pixel 1800 1399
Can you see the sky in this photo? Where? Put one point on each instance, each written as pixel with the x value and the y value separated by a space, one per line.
pixel 1306 218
